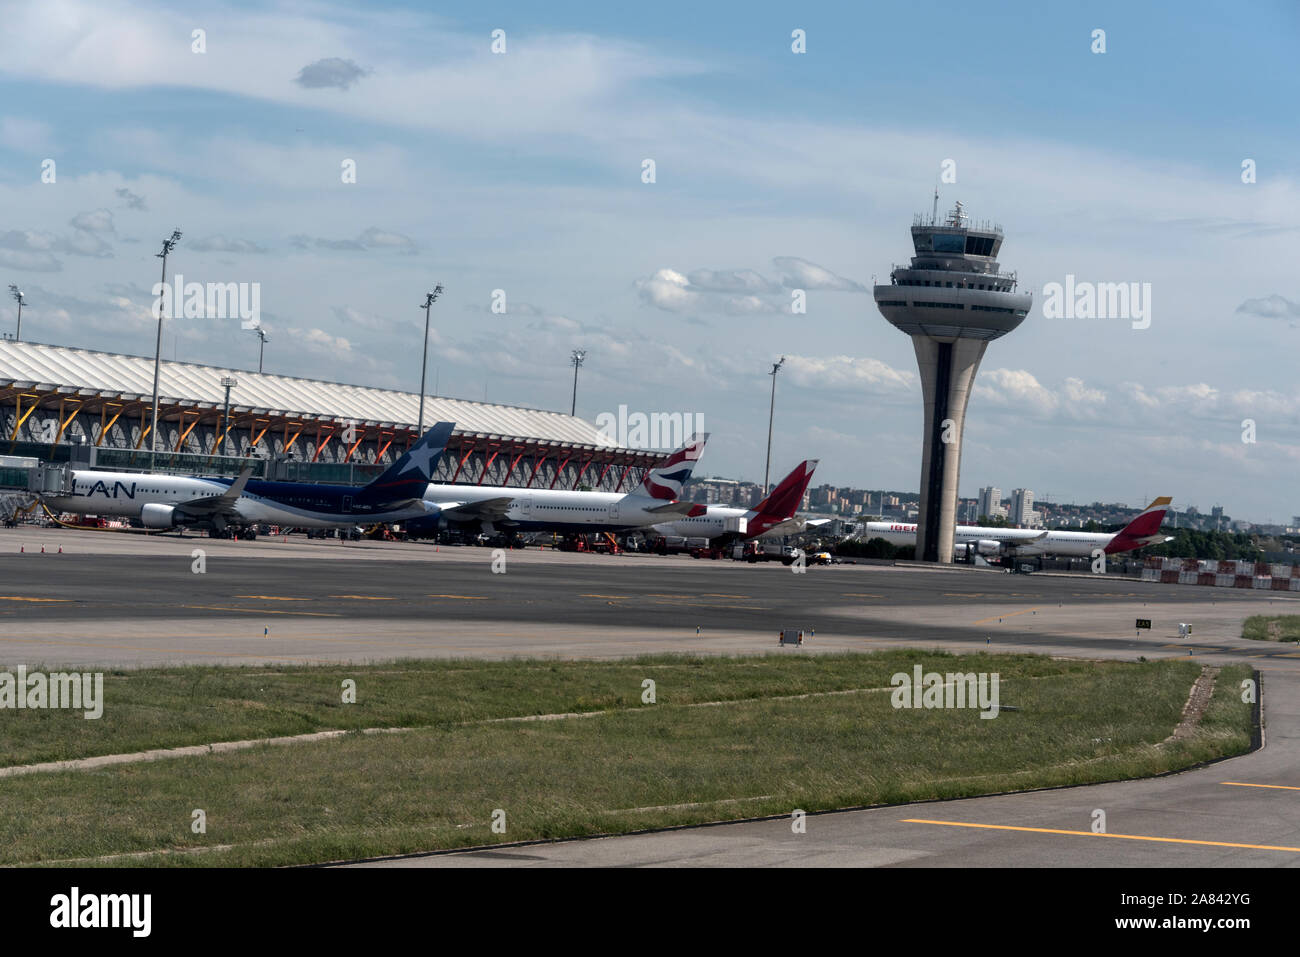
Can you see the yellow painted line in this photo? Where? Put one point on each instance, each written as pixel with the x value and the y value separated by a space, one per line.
pixel 365 597
pixel 708 604
pixel 272 598
pixel 20 598
pixel 656 595
pixel 859 594
pixel 602 596
pixel 963 594
pixel 711 594
pixel 468 597
pixel 1124 837
pixel 262 611
pixel 1280 787
pixel 1010 614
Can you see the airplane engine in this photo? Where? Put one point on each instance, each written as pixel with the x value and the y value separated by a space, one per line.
pixel 158 516
pixel 988 547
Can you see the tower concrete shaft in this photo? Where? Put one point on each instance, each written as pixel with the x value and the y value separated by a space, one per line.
pixel 952 300
pixel 947 375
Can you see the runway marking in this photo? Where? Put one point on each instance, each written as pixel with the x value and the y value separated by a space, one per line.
pixel 707 604
pixel 1125 837
pixel 21 598
pixel 365 597
pixel 466 597
pixel 656 595
pixel 1009 614
pixel 710 594
pixel 272 598
pixel 263 611
pixel 1280 787
pixel 859 594
pixel 602 596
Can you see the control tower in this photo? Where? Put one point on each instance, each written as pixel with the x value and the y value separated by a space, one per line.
pixel 952 300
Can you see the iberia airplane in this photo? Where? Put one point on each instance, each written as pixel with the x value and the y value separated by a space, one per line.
pixel 1022 542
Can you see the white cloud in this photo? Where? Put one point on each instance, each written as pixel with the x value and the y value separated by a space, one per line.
pixel 94 221
pixel 220 244
pixel 668 289
pixel 849 372
pixel 801 274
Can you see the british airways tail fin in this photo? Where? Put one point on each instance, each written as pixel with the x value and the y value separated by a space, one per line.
pixel 665 481
pixel 408 477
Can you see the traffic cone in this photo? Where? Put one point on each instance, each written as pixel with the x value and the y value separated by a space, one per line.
pixel 42 549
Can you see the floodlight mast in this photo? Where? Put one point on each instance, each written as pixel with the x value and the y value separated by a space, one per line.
pixel 167 246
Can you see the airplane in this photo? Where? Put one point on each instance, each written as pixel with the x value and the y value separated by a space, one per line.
pixel 969 540
pixel 721 524
pixel 511 510
pixel 162 501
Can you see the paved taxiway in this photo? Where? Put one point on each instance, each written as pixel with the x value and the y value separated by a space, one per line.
pixel 130 601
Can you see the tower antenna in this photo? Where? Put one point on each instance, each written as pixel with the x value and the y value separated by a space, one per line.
pixel 934 216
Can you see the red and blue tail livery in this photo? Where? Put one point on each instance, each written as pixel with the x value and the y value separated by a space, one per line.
pixel 665 481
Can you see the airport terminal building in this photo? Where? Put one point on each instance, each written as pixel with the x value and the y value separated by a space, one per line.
pixel 60 404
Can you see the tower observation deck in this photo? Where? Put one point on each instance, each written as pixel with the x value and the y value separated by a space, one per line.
pixel 952 300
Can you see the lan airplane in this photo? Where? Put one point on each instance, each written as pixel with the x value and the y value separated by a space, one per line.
pixel 1025 542
pixel 511 510
pixel 775 514
pixel 172 501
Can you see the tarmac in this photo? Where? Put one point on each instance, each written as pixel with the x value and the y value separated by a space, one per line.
pixel 123 600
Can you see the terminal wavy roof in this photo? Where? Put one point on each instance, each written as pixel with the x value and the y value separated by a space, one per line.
pixel 107 375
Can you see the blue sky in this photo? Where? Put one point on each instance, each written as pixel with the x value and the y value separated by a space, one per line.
pixel 522 172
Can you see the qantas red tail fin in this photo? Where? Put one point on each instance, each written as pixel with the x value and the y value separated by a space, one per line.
pixel 785 498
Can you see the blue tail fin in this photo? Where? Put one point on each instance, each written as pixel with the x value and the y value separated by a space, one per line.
pixel 410 475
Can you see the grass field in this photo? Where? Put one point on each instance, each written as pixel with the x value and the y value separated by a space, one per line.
pixel 1272 627
pixel 635 765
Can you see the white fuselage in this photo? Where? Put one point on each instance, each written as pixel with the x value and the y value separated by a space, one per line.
pixel 298 505
pixel 1024 541
pixel 557 510
pixel 717 520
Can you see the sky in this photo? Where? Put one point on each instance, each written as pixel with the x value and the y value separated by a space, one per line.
pixel 519 177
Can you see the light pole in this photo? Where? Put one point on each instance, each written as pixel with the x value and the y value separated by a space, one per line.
pixel 167 246
pixel 229 382
pixel 771 412
pixel 261 335
pixel 429 299
pixel 577 356
pixel 18 297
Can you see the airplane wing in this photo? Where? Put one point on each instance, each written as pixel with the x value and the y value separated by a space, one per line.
pixel 795 525
pixel 1016 542
pixel 791 526
pixel 677 508
pixel 223 504
pixel 488 510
